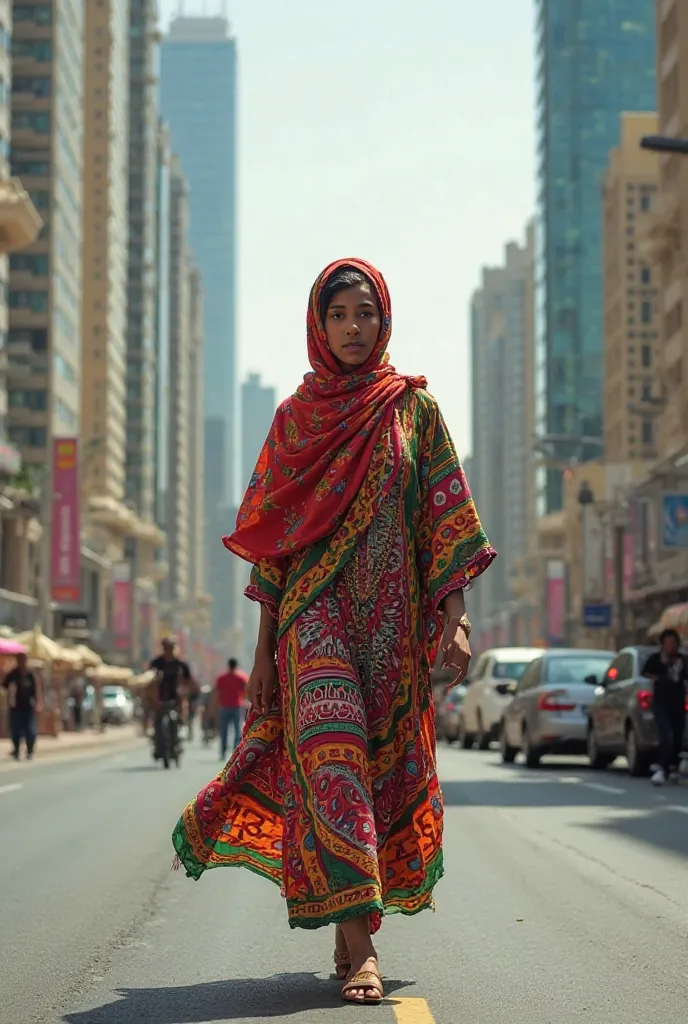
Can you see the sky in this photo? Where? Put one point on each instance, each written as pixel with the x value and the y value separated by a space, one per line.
pixel 399 132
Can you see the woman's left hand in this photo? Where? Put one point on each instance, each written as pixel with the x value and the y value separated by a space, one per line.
pixel 456 649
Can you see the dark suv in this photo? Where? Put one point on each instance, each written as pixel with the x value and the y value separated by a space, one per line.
pixel 621 721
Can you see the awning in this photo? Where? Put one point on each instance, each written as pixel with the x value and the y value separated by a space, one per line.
pixel 673 617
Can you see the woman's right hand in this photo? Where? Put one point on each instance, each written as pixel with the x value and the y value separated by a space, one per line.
pixel 261 682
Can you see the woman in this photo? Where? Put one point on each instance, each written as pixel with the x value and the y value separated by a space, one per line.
pixel 363 534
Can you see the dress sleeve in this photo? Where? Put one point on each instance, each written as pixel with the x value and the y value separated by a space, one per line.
pixel 452 546
pixel 267 583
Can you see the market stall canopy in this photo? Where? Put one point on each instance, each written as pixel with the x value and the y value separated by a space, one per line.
pixel 673 617
pixel 111 674
pixel 88 658
pixel 11 646
pixel 40 647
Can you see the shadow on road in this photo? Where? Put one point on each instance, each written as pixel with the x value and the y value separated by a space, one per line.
pixel 661 828
pixel 280 996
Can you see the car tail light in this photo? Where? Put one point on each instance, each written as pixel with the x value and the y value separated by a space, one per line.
pixel 558 700
pixel 644 698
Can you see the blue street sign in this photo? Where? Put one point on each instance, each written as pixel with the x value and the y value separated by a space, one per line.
pixel 597 616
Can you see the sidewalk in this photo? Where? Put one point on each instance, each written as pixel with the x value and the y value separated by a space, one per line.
pixel 73 744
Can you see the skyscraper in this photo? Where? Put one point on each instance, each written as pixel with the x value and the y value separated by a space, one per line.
pixel 198 101
pixel 142 276
pixel 258 404
pixel 44 344
pixel 595 59
pixel 502 461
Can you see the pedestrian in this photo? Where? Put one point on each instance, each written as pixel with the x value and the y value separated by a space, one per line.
pixel 77 703
pixel 24 699
pixel 230 688
pixel 668 670
pixel 363 535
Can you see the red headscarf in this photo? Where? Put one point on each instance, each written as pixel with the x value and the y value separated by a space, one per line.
pixel 321 442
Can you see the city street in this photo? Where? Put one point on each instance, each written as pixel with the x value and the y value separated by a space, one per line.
pixel 565 900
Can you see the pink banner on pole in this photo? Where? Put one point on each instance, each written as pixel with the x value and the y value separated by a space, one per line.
pixel 121 606
pixel 65 540
pixel 556 601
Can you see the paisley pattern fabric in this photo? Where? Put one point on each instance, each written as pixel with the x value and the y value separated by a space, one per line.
pixel 334 794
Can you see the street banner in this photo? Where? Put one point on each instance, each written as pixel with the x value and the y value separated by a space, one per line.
pixel 65 533
pixel 121 605
pixel 556 601
pixel 675 520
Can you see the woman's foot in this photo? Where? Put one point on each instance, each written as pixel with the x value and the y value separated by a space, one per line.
pixel 342 957
pixel 364 983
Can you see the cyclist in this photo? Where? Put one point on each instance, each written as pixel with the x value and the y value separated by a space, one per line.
pixel 172 677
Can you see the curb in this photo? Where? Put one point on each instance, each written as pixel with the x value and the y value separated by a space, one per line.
pixel 71 753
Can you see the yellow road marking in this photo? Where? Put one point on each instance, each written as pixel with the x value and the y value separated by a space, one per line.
pixel 412 1011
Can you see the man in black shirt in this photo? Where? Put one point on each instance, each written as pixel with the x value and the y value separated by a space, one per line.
pixel 23 693
pixel 668 670
pixel 172 674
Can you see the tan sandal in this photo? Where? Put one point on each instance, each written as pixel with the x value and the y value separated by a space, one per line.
pixel 342 963
pixel 365 980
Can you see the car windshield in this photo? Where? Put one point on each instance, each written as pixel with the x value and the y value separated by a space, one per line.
pixel 574 668
pixel 509 669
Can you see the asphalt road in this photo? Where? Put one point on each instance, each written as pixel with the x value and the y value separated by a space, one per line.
pixel 565 901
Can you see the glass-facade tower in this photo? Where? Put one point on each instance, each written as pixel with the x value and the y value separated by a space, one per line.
pixel 595 59
pixel 198 92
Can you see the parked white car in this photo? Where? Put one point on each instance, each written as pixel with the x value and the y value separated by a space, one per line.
pixel 118 705
pixel 489 692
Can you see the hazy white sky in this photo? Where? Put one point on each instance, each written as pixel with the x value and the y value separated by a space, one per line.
pixel 398 131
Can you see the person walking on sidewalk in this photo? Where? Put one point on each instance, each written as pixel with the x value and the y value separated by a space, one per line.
pixel 230 689
pixel 363 535
pixel 668 670
pixel 24 696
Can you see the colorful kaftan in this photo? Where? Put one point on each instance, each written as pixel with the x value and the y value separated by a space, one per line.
pixel 334 794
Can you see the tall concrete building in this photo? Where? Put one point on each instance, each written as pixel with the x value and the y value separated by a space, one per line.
pixel 198 101
pixel 178 513
pixel 595 59
pixel 258 404
pixel 502 463
pixel 45 288
pixel 630 295
pixel 196 439
pixel 142 276
pixel 105 257
pixel 162 322
pixel 667 243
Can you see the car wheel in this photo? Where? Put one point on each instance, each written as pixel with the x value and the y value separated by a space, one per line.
pixel 508 752
pixel 638 760
pixel 483 738
pixel 598 760
pixel 466 739
pixel 531 753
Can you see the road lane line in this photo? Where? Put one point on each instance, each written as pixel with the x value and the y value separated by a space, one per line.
pixel 12 788
pixel 675 807
pixel 600 786
pixel 412 1011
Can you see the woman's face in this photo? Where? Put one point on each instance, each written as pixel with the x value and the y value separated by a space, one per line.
pixel 352 325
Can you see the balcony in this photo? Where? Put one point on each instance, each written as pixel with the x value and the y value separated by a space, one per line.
pixel 20 222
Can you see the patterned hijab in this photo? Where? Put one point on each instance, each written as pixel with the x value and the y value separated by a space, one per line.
pixel 322 439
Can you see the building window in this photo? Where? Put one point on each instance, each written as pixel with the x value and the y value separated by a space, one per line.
pixel 30 168
pixel 32 49
pixel 646 312
pixel 39 14
pixel 647 432
pixel 645 202
pixel 41 87
pixel 35 121
pixel 36 302
pixel 646 356
pixel 645 275
pixel 30 263
pixel 34 399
